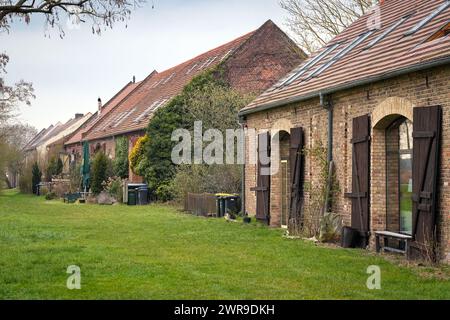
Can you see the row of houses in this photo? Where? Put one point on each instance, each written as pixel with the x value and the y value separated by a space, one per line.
pixel 251 64
pixel 377 97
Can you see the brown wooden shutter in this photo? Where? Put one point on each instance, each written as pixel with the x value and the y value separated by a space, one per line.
pixel 426 136
pixel 297 172
pixel 361 177
pixel 263 181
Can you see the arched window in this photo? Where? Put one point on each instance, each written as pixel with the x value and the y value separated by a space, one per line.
pixel 399 147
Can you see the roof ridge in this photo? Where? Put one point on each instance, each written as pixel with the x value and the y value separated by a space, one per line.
pixel 138 85
pixel 238 39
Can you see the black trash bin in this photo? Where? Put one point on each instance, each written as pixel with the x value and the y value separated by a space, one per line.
pixel 132 197
pixel 142 196
pixel 232 204
pixel 349 238
pixel 220 207
pixel 228 203
pixel 134 193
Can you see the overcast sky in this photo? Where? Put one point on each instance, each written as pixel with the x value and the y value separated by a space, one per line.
pixel 70 74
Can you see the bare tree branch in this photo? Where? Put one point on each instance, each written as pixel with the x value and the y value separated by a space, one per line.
pixel 12 96
pixel 99 12
pixel 315 22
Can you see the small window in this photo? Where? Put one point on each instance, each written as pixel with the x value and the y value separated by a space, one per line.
pixel 442 33
pixel 304 68
pixel 227 54
pixel 169 78
pixel 388 31
pixel 191 68
pixel 123 118
pixel 146 112
pixel 428 18
pixel 341 53
pixel 157 83
pixel 160 104
pixel 153 107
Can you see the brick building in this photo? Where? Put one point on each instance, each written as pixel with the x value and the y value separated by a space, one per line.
pixel 252 63
pixel 50 141
pixel 378 95
pixel 74 145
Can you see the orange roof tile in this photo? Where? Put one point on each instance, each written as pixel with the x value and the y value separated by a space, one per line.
pixel 109 106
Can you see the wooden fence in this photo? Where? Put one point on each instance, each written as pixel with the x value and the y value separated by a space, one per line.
pixel 200 204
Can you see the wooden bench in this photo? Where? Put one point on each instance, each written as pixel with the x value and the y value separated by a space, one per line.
pixel 71 197
pixel 391 235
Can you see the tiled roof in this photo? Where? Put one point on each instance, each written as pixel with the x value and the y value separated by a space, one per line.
pixel 32 143
pixel 41 137
pixel 110 105
pixel 67 130
pixel 134 112
pixel 361 55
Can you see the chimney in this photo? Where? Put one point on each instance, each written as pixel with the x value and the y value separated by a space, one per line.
pixel 134 79
pixel 78 115
pixel 99 106
pixel 381 2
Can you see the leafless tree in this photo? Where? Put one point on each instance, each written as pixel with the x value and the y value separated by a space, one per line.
pixel 13 138
pixel 315 22
pixel 100 13
pixel 12 95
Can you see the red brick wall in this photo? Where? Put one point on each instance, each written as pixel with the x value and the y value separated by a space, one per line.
pixel 265 58
pixel 109 144
pixel 426 88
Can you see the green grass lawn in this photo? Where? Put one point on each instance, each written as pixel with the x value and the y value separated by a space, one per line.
pixel 155 252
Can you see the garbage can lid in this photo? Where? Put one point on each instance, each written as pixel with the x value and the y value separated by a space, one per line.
pixel 226 195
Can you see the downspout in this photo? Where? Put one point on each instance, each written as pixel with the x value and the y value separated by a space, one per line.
pixel 326 102
pixel 243 125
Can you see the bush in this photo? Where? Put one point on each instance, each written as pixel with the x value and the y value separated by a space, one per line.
pixel 51 196
pixel 61 188
pixel 52 169
pixel 76 178
pixel 36 177
pixel 43 191
pixel 165 192
pixel 59 167
pixel 330 227
pixel 26 179
pixel 114 187
pixel 99 172
pixel 207 179
pixel 120 163
pixel 137 156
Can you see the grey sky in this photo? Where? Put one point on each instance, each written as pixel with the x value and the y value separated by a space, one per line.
pixel 70 74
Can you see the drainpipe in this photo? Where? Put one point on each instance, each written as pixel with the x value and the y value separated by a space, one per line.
pixel 243 124
pixel 325 101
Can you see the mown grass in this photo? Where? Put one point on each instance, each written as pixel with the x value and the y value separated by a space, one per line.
pixel 156 252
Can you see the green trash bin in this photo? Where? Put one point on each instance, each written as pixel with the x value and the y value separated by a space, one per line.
pixel 132 197
pixel 228 203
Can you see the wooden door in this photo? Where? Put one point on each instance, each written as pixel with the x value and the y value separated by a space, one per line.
pixel 426 151
pixel 262 188
pixel 360 194
pixel 296 159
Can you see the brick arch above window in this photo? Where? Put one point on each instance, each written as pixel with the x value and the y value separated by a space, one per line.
pixel 389 110
pixel 282 125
